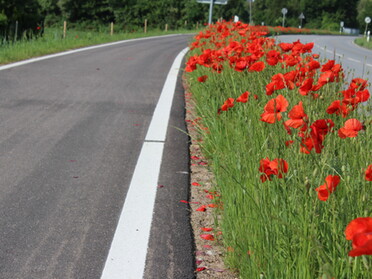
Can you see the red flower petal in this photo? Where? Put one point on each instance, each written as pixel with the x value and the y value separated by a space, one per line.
pixel 207 237
pixel 202 208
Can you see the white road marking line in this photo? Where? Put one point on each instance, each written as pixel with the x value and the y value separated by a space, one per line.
pixel 127 255
pixel 32 60
pixel 354 60
pixel 157 129
pixel 128 251
pixel 369 65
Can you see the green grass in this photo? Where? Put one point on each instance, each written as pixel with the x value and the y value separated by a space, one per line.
pixel 53 42
pixel 279 228
pixel 363 42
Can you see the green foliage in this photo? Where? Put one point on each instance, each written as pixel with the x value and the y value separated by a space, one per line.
pixel 130 15
pixel 364 9
pixel 22 17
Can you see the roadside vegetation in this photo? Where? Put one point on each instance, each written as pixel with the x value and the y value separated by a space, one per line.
pixel 290 146
pixel 52 42
pixel 363 42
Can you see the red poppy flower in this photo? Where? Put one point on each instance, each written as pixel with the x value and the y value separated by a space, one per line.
pixel 257 66
pixel 288 143
pixel 363 95
pixel 202 78
pixel 325 78
pixel 318 130
pixel 358 83
pixel 351 128
pixel 312 65
pixel 243 98
pixel 359 231
pixel 229 103
pixel 328 66
pixel 270 168
pixel 272 57
pixel 306 86
pixel 298 117
pixel 286 46
pixel 338 108
pixel 368 176
pixel 329 187
pixel 207 229
pixel 273 109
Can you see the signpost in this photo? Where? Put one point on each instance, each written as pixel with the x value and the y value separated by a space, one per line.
pixel 341 26
pixel 367 21
pixel 301 17
pixel 211 2
pixel 284 12
pixel 250 11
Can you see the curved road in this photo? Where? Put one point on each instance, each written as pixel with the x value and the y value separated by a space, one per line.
pixel 357 61
pixel 72 128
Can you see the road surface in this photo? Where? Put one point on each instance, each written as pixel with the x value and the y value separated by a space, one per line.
pixel 72 128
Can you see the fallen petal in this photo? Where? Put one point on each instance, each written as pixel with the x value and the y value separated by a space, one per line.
pixel 207 237
pixel 207 229
pixel 200 269
pixel 202 208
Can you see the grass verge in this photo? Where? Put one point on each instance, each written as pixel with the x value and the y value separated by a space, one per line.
pixel 53 42
pixel 363 43
pixel 290 148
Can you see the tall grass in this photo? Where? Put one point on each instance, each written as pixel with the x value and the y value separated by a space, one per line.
pixel 363 42
pixel 53 42
pixel 279 228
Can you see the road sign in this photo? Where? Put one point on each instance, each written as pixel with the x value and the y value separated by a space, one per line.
pixel 218 2
pixel 342 24
pixel 284 11
pixel 211 3
pixel 367 20
pixel 302 16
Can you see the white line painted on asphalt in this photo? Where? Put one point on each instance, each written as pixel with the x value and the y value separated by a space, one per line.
pixel 32 60
pixel 127 255
pixel 157 130
pixel 369 65
pixel 354 60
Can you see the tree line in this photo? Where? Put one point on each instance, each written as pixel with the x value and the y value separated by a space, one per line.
pixel 30 16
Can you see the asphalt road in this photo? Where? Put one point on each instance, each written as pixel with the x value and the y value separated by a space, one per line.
pixel 71 129
pixel 356 61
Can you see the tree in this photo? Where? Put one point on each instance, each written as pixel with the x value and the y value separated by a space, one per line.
pixel 364 9
pixel 25 17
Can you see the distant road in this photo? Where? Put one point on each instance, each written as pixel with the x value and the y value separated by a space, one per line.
pixel 357 61
pixel 71 131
